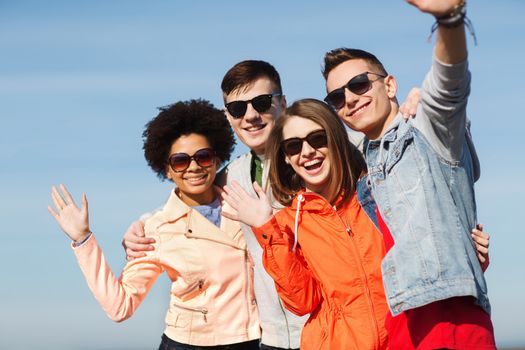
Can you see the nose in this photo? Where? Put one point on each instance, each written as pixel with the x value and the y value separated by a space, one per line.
pixel 193 166
pixel 350 97
pixel 306 149
pixel 251 114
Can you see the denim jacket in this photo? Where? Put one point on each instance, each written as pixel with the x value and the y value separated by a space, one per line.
pixel 422 175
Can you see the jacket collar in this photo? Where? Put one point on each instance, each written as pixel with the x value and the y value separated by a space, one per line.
pixel 197 226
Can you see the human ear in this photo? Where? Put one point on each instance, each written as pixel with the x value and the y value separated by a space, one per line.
pixel 391 86
pixel 168 173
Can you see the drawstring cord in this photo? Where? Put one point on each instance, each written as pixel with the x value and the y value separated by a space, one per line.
pixel 300 199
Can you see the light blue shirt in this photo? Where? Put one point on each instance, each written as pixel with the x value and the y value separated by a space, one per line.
pixel 211 211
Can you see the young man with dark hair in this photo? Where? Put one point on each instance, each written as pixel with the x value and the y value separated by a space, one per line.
pixel 422 173
pixel 253 101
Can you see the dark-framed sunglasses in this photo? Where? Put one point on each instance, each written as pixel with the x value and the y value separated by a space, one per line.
pixel 181 161
pixel 358 85
pixel 294 145
pixel 261 104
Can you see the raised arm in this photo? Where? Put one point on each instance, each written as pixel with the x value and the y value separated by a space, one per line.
pixel 295 284
pixel 294 281
pixel 451 47
pixel 441 116
pixel 118 297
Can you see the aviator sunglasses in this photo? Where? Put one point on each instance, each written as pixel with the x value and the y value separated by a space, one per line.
pixel 358 85
pixel 260 103
pixel 181 161
pixel 294 145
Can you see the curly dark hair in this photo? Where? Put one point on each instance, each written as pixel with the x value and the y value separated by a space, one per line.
pixel 184 118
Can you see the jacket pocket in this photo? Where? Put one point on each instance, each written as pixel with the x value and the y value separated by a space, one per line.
pixel 398 149
pixel 177 320
pixel 181 316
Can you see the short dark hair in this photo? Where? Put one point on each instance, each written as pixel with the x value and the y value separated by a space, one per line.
pixel 245 73
pixel 184 118
pixel 337 56
pixel 347 161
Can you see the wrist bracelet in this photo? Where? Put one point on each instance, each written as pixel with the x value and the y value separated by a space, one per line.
pixel 456 17
pixel 78 244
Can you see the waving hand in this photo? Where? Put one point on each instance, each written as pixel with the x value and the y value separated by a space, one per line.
pixel 71 219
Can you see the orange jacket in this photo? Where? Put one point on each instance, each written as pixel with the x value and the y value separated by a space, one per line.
pixel 334 274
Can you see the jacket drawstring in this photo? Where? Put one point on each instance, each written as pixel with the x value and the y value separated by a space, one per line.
pixel 300 199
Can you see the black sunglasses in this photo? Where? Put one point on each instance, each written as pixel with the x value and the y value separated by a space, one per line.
pixel 181 161
pixel 294 145
pixel 358 85
pixel 260 103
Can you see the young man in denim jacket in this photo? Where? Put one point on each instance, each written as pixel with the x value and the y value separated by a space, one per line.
pixel 422 173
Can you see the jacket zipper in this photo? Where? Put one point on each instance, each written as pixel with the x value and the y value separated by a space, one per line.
pixel 202 310
pixel 286 321
pixel 363 275
pixel 246 292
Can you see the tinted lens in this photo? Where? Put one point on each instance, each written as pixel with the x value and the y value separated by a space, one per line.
pixel 262 103
pixel 237 109
pixel 336 98
pixel 294 145
pixel 317 139
pixel 359 84
pixel 179 161
pixel 204 157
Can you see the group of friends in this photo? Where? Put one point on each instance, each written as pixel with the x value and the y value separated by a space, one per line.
pixel 311 240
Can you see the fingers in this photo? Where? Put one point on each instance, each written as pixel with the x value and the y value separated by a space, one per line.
pixel 67 196
pixel 138 227
pixel 231 197
pixel 134 242
pixel 229 215
pixel 409 108
pixel 84 202
pixel 239 191
pixel 57 199
pixel 131 255
pixel 480 237
pixel 260 192
pixel 140 245
pixel 53 213
pixel 481 241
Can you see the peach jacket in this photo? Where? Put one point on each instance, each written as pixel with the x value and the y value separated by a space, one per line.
pixel 212 299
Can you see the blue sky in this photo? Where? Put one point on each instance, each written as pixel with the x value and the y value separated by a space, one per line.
pixel 78 81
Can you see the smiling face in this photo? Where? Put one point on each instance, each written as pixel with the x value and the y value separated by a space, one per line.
pixel 195 184
pixel 311 164
pixel 371 112
pixel 254 127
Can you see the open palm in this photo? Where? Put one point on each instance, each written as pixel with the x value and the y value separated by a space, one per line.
pixel 72 220
pixel 250 210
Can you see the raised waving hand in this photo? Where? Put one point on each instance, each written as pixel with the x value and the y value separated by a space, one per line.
pixel 250 210
pixel 74 221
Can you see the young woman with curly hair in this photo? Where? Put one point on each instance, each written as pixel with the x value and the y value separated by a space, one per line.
pixel 212 302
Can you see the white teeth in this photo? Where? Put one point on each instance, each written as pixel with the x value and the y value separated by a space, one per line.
pixel 255 128
pixel 312 162
pixel 359 109
pixel 195 179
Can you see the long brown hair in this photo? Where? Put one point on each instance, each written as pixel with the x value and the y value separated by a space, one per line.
pixel 346 160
